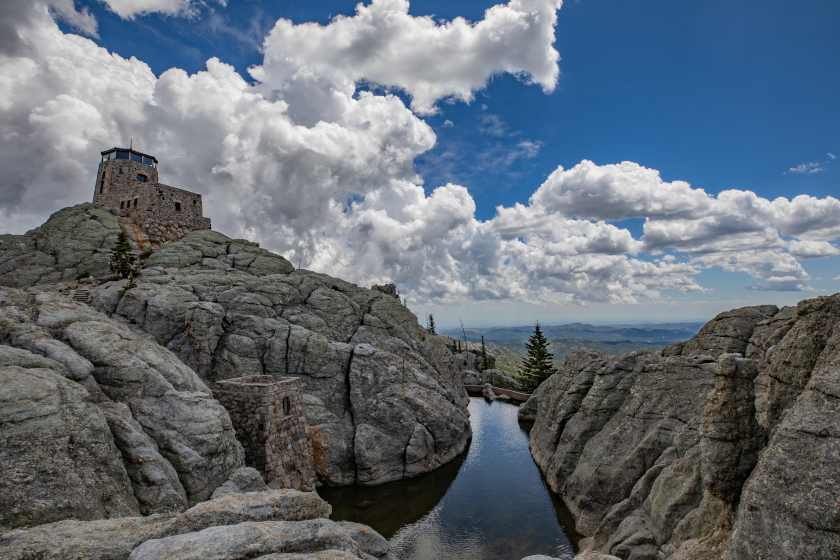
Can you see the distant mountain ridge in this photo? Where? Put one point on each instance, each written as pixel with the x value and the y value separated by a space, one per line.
pixel 566 338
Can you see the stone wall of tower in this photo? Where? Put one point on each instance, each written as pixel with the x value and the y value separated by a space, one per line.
pixel 116 174
pixel 277 441
pixel 164 213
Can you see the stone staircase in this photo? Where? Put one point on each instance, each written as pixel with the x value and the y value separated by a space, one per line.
pixel 82 295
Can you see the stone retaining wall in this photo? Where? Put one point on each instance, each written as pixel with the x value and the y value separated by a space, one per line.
pixel 269 422
pixel 515 395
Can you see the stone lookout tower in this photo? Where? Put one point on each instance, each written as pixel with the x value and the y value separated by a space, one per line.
pixel 127 182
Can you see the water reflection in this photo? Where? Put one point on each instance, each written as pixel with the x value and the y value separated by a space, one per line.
pixel 490 503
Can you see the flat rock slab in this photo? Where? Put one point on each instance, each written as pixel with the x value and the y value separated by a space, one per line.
pixel 115 539
pixel 249 540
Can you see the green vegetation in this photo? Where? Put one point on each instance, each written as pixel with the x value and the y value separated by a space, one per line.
pixel 122 259
pixel 500 382
pixel 566 338
pixel 430 324
pixel 538 366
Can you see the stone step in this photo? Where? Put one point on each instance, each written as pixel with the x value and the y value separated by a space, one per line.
pixel 82 295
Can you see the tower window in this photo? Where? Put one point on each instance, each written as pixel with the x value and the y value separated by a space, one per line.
pixel 141 178
pixel 135 203
pixel 287 406
pixel 177 206
pixel 122 204
pixel 121 171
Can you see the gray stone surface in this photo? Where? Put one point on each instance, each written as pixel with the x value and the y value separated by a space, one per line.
pixel 664 458
pixel 368 540
pixel 226 308
pixel 246 479
pixel 528 410
pixel 729 332
pixel 797 354
pixel 592 555
pixel 154 480
pixel 74 242
pixel 250 540
pixel 322 555
pixel 226 313
pixel 487 392
pixel 730 435
pixel 57 454
pixel 788 507
pixel 765 339
pixel 115 539
pixel 175 443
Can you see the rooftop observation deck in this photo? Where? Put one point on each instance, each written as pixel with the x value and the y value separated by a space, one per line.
pixel 129 154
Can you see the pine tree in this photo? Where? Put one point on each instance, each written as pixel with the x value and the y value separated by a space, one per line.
pixel 483 355
pixel 430 324
pixel 122 259
pixel 537 367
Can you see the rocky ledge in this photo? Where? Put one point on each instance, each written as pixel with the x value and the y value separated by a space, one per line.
pixel 107 408
pixel 724 446
pixel 269 524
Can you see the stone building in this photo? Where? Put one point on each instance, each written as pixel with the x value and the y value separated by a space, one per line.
pixel 269 422
pixel 127 182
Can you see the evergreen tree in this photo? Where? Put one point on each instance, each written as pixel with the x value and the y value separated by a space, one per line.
pixel 430 324
pixel 122 259
pixel 483 355
pixel 537 367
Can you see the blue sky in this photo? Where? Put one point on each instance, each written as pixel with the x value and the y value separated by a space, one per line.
pixel 735 96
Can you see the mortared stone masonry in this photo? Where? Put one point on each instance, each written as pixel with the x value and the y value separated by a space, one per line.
pixel 127 183
pixel 269 422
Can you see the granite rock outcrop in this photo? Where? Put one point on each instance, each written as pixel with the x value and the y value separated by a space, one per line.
pixel 371 376
pixel 233 525
pixel 690 454
pixel 158 431
pixel 121 390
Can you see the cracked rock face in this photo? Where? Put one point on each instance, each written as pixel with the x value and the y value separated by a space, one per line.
pixel 115 539
pixel 663 457
pixel 57 454
pixel 387 399
pixel 74 242
pixel 148 419
pixel 788 507
pixel 729 332
pixel 371 375
pixel 731 437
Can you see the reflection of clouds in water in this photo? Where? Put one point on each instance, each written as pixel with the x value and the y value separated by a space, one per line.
pixel 496 508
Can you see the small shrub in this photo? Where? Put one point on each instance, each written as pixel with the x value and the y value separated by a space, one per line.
pixel 131 284
pixel 146 254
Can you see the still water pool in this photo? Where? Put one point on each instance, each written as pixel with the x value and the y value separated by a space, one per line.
pixel 490 503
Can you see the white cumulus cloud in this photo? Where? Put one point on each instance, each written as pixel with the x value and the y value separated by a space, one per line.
pixel 314 166
pixel 385 45
pixel 129 9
